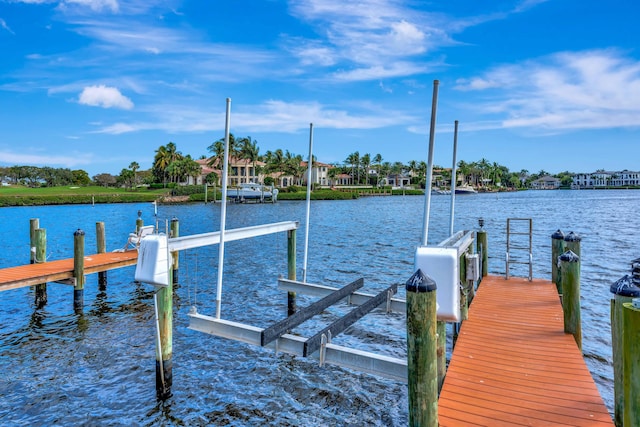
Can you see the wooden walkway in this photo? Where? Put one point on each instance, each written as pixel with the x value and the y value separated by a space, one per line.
pixel 33 274
pixel 514 365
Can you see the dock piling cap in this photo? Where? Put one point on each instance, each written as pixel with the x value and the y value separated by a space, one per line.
pixel 420 282
pixel 572 237
pixel 569 256
pixel 625 287
pixel 558 235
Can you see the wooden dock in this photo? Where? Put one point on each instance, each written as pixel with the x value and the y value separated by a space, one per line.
pixel 514 365
pixel 33 274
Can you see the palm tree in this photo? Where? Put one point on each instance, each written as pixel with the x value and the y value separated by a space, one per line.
pixel 464 169
pixel 249 151
pixel 134 166
pixel 217 149
pixel 365 161
pixel 353 159
pixel 160 163
pixel 377 159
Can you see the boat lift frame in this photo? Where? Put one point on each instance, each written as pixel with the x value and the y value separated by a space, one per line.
pixel 319 346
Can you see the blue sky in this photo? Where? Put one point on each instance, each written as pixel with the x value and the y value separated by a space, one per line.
pixel 535 84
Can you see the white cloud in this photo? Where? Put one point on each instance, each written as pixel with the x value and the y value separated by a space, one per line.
pixel 94 5
pixel 569 90
pixel 105 97
pixel 271 116
pixel 4 25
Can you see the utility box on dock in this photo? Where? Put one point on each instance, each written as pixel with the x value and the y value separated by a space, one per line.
pixel 473 267
pixel 442 265
pixel 153 260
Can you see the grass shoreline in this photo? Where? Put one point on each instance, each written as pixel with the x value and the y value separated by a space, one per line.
pixel 24 196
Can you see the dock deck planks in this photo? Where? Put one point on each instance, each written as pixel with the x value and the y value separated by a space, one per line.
pixel 33 274
pixel 514 365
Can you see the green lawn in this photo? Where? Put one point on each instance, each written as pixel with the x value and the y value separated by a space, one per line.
pixel 24 196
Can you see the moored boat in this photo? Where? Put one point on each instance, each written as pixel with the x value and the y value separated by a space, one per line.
pixel 465 189
pixel 252 190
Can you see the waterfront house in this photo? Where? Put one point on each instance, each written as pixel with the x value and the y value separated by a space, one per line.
pixel 604 179
pixel 545 183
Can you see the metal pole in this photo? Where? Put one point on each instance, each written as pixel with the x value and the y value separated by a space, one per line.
pixel 453 177
pixel 427 189
pixel 306 230
pixel 223 209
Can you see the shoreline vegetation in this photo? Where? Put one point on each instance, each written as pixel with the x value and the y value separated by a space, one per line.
pixel 64 195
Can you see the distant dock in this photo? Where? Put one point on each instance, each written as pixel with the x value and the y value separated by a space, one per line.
pixel 54 271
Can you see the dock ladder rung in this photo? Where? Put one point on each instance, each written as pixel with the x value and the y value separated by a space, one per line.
pixel 518 246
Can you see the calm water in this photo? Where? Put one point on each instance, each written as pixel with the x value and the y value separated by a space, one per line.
pixel 98 368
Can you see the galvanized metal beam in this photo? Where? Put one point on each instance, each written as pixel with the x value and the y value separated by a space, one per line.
pixel 363 361
pixel 278 329
pixel 357 298
pixel 460 240
pixel 213 238
pixel 314 343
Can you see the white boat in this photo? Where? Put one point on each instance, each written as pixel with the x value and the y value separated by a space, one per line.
pixel 253 191
pixel 465 189
pixel 436 190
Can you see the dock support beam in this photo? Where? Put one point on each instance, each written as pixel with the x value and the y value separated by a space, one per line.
pixel 570 277
pixel 631 365
pixel 624 291
pixel 481 248
pixel 175 232
pixel 139 222
pixel 572 243
pixel 422 358
pixel 164 358
pixel 557 249
pixel 34 224
pixel 291 270
pixel 78 270
pixel 40 257
pixel 441 352
pixel 101 248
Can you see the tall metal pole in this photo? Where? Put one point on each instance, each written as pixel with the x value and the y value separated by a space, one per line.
pixel 306 230
pixel 427 189
pixel 453 177
pixel 223 209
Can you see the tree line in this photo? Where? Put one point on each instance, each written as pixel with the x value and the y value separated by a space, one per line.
pixel 170 166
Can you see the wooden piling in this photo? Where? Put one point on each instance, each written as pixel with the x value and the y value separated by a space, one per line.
pixel 631 364
pixel 291 270
pixel 422 360
pixel 482 249
pixel 570 276
pixel 441 351
pixel 175 232
pixel 78 270
pixel 164 359
pixel 40 254
pixel 572 243
pixel 34 224
pixel 557 249
pixel 139 222
pixel 101 248
pixel 624 291
pixel 464 292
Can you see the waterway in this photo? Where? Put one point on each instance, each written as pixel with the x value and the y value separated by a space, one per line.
pixel 98 368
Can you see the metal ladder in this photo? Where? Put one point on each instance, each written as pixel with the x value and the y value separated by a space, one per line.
pixel 518 244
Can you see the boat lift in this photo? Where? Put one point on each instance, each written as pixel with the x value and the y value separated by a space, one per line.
pixel 442 262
